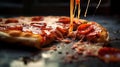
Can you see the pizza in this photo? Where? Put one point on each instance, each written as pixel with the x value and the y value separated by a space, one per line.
pixel 39 31
pixel 88 37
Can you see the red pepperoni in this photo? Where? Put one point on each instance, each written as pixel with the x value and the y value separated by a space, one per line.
pixel 64 20
pixel 47 39
pixel 43 41
pixel 0 19
pixel 40 25
pixel 18 27
pixel 83 26
pixel 37 18
pixel 85 29
pixel 43 33
pixel 93 35
pixel 58 34
pixel 109 54
pixel 2 28
pixel 106 50
pixel 11 20
pixel 50 38
pixel 44 28
pixel 62 31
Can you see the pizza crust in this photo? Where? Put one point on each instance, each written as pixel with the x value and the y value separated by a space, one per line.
pixel 32 41
pixel 104 35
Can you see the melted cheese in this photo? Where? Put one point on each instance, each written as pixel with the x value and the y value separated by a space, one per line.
pixel 51 22
pixel 77 5
pixel 79 11
pixel 71 15
pixel 98 4
pixel 87 8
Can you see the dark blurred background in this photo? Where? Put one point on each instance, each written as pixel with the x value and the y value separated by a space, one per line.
pixel 55 7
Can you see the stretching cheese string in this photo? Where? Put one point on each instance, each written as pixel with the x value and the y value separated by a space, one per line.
pixel 73 10
pixel 87 8
pixel 98 4
pixel 79 9
pixel 71 15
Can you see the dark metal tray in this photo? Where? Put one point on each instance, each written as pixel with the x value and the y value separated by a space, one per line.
pixel 18 56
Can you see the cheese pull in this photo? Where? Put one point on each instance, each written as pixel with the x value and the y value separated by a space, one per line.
pixel 72 13
pixel 71 16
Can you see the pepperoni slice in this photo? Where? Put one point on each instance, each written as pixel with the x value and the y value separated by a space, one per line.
pixel 93 36
pixel 93 33
pixel 85 28
pixel 40 25
pixel 11 20
pixel 37 18
pixel 43 33
pixel 64 20
pixel 0 19
pixel 18 27
pixel 109 54
pixel 2 28
pixel 63 31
